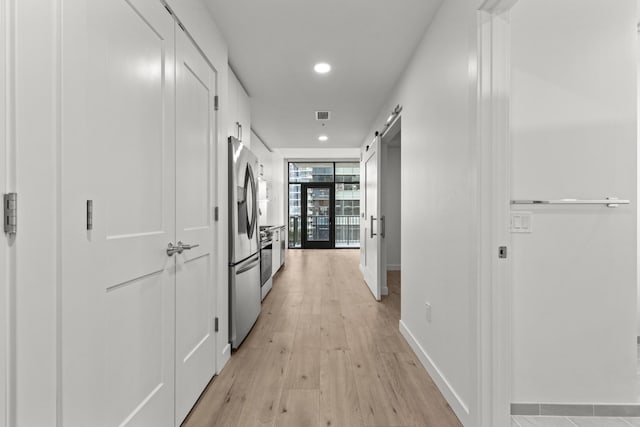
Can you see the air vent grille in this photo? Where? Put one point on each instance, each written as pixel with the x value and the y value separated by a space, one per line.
pixel 323 115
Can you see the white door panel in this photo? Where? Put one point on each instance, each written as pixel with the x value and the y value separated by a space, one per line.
pixel 118 287
pixel 195 127
pixel 372 243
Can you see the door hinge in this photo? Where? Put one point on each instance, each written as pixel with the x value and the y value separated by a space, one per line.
pixel 216 216
pixel 11 213
pixel 215 325
pixel 502 252
pixel 89 214
pixel 168 10
pixel 181 27
pixel 216 103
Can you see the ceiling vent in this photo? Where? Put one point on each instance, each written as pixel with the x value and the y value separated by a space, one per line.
pixel 323 115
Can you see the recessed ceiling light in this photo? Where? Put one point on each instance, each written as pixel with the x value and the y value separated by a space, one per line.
pixel 322 68
pixel 323 138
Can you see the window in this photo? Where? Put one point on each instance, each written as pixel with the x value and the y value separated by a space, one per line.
pixel 346 176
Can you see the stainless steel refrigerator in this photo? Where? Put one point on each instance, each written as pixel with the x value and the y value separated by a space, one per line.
pixel 244 247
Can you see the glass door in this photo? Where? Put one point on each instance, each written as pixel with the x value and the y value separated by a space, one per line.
pixel 318 211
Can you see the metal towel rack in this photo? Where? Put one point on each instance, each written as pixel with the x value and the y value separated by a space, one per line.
pixel 610 202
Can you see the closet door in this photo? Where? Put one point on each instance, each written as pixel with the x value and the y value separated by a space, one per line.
pixel 118 295
pixel 195 283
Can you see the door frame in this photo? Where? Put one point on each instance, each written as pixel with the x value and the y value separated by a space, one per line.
pixel 392 129
pixel 7 184
pixel 332 215
pixel 493 295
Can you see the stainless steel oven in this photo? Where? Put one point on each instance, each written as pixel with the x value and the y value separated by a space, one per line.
pixel 266 250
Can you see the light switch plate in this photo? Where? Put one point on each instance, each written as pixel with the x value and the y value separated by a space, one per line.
pixel 427 307
pixel 521 222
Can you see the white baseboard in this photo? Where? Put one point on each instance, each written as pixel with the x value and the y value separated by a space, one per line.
pixel 454 400
pixel 393 267
pixel 224 357
pixel 384 291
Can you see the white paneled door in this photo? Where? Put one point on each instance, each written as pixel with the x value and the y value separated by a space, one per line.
pixel 137 344
pixel 195 127
pixel 372 241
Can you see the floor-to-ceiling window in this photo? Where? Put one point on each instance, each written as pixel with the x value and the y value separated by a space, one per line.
pixel 347 178
pixel 331 221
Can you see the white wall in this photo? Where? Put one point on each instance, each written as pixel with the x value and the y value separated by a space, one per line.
pixel 265 158
pixel 638 139
pixel 392 210
pixel 279 193
pixel 573 130
pixel 437 92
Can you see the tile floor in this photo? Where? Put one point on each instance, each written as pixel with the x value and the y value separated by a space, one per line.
pixel 526 421
pixel 546 421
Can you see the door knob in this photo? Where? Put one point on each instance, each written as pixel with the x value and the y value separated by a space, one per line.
pixel 171 250
pixel 186 247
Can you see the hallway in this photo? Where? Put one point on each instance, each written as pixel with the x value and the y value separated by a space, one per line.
pixel 324 353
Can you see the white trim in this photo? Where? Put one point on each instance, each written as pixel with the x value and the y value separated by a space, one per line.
pixel 224 358
pixel 453 398
pixel 7 184
pixel 384 291
pixel 393 267
pixel 4 276
pixel 494 290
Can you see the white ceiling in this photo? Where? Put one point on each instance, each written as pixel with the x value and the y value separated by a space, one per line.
pixel 273 45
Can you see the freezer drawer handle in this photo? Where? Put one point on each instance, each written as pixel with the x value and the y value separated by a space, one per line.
pixel 254 262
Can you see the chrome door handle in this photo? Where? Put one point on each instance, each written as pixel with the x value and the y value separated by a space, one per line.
pixel 171 250
pixel 371 227
pixel 184 246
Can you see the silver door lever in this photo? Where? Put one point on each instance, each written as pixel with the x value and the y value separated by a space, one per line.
pixel 184 246
pixel 171 250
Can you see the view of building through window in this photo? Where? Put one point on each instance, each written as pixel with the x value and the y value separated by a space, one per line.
pixel 344 180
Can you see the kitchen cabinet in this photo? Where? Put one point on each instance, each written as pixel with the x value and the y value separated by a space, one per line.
pixel 275 253
pixel 283 244
pixel 239 111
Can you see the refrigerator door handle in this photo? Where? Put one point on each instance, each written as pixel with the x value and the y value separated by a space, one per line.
pixel 252 264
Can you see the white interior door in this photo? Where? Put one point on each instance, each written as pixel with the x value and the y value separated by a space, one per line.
pixel 118 300
pixel 372 241
pixel 195 284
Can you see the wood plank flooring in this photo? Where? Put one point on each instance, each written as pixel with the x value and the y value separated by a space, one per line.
pixel 324 353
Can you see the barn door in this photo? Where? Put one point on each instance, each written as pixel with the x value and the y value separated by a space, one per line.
pixel 372 239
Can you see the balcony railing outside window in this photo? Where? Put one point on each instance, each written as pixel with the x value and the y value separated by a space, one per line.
pixel 347 231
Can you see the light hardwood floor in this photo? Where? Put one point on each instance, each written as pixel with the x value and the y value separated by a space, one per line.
pixel 324 353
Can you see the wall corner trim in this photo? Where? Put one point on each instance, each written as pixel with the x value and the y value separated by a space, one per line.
pixel 453 398
pixel 224 358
